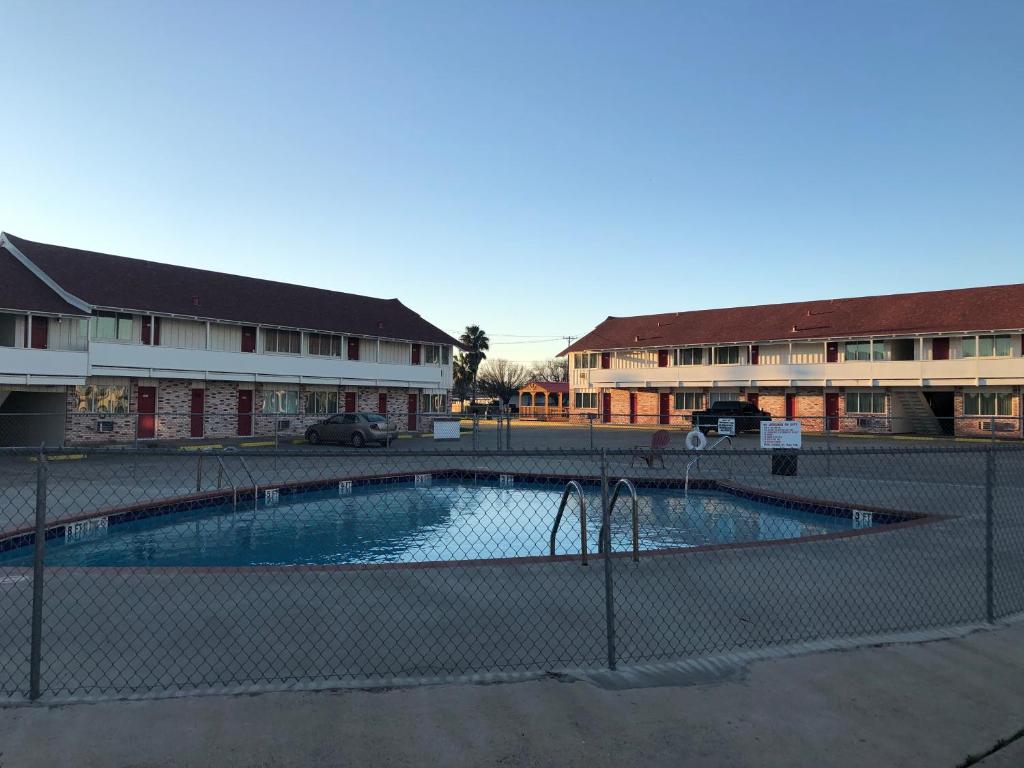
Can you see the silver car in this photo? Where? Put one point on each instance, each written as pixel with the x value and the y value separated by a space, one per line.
pixel 357 429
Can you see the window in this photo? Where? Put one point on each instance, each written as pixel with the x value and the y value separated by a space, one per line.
pixel 988 404
pixel 721 397
pixel 586 399
pixel 432 354
pixel 280 400
pixel 689 401
pixel 865 402
pixel 858 350
pixel 286 342
pixel 691 356
pixel 325 344
pixel 446 355
pixel 586 360
pixel 432 403
pixel 987 346
pixel 727 355
pixel 107 399
pixel 321 402
pixel 113 325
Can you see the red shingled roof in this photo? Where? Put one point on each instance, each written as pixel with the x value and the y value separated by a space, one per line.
pixel 993 308
pixel 118 282
pixel 21 290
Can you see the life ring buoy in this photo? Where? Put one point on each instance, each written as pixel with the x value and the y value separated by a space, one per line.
pixel 695 440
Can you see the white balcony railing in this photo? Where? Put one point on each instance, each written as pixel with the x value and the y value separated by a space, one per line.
pixel 965 372
pixel 114 359
pixel 42 366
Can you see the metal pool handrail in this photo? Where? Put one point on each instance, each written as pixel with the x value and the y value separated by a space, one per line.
pixel 696 460
pixel 255 487
pixel 572 487
pixel 227 476
pixel 624 483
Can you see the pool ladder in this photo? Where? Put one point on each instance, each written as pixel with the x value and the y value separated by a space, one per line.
pixel 223 475
pixel 574 488
pixel 696 461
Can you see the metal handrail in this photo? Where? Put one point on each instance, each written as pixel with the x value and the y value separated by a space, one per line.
pixel 696 460
pixel 571 487
pixel 636 517
pixel 255 487
pixel 226 475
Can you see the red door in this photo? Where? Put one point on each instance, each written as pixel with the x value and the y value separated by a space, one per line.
pixel 632 407
pixel 790 407
pixel 244 412
pixel 755 355
pixel 606 407
pixel 940 349
pixel 663 358
pixel 353 349
pixel 147 412
pixel 40 330
pixel 249 340
pixel 606 360
pixel 663 401
pixel 196 411
pixel 832 352
pixel 382 403
pixel 415 354
pixel 412 412
pixel 752 398
pixel 831 411
pixel 350 402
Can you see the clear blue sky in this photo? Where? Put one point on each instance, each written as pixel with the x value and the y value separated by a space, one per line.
pixel 528 166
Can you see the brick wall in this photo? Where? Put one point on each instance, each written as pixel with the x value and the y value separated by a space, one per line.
pixel 220 411
pixel 981 426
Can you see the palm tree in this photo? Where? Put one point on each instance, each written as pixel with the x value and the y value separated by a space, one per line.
pixel 461 378
pixel 476 342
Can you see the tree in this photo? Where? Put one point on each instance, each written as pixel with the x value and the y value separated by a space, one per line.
pixel 461 378
pixel 502 379
pixel 476 343
pixel 555 369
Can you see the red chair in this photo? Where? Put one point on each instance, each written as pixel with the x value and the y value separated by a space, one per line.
pixel 656 451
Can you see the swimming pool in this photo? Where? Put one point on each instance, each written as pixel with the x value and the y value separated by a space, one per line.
pixel 448 520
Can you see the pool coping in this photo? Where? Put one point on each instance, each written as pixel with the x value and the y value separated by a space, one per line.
pixel 24 537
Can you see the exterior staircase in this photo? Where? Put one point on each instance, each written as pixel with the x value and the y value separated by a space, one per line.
pixel 911 413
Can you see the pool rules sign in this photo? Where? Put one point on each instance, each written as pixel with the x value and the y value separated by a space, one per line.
pixel 780 434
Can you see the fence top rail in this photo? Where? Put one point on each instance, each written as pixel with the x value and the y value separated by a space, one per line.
pixel 348 453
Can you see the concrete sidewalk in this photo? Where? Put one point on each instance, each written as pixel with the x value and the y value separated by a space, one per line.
pixel 926 704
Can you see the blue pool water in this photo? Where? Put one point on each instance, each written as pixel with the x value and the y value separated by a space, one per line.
pixel 403 524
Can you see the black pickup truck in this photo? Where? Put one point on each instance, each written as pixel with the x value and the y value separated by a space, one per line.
pixel 748 416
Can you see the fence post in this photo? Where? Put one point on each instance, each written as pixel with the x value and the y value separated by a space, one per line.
pixel 606 546
pixel 199 472
pixel 990 466
pixel 508 431
pixel 590 418
pixel 35 656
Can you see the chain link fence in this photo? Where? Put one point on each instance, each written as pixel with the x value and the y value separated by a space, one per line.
pixel 162 570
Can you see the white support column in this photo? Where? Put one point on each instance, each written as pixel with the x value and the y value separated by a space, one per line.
pixel 27 335
pixel 258 350
pixel 208 346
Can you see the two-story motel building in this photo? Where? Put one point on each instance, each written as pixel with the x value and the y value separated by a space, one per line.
pixel 916 362
pixel 114 349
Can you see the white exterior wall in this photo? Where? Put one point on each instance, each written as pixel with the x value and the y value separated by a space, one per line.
pixel 225 338
pixel 395 352
pixel 184 334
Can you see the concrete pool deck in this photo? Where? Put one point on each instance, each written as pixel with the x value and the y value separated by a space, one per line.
pixel 930 704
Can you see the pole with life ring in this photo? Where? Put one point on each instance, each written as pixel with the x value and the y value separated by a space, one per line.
pixel 695 440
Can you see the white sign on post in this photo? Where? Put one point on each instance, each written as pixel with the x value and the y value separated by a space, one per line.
pixel 727 427
pixel 780 434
